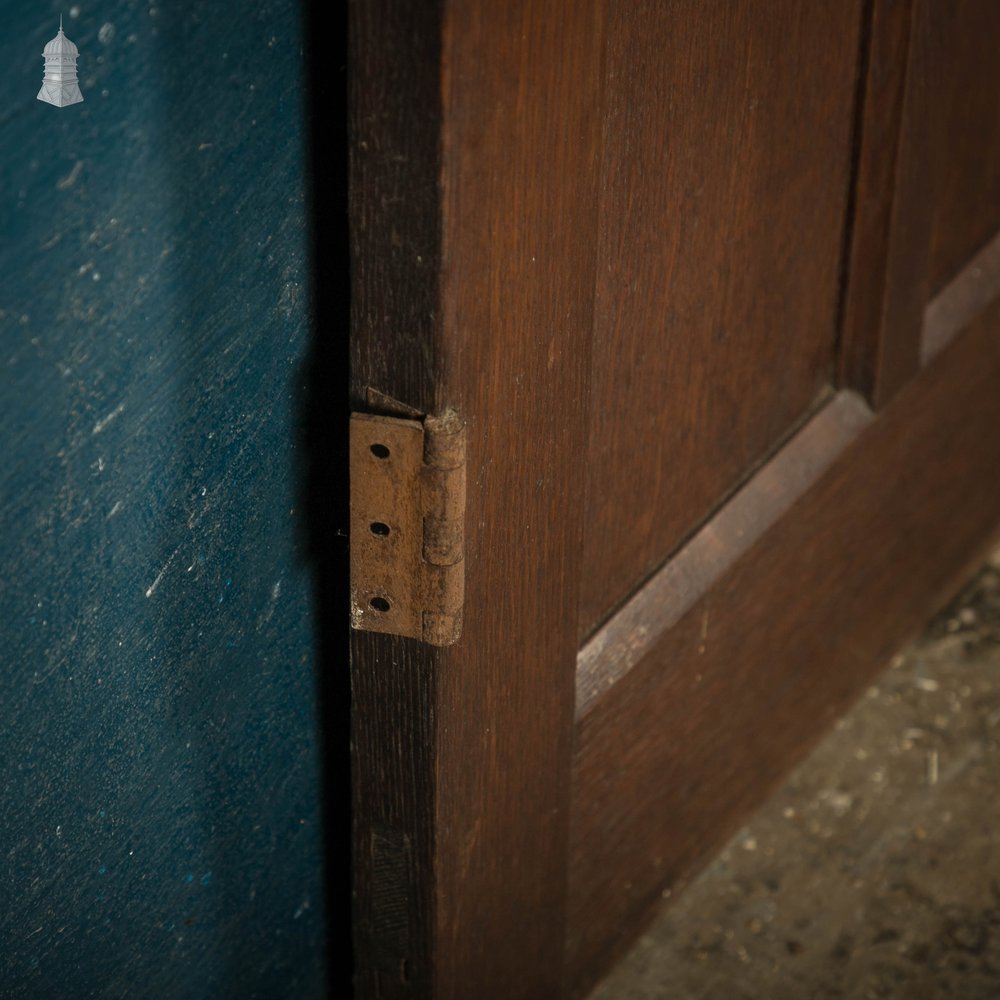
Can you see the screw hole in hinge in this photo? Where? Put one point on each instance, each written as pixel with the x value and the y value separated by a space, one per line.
pixel 379 451
pixel 379 604
pixel 378 528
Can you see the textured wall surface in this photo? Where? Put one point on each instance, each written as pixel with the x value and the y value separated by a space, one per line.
pixel 159 812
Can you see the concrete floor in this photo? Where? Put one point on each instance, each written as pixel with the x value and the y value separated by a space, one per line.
pixel 875 871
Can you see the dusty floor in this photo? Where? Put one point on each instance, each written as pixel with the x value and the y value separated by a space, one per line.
pixel 875 872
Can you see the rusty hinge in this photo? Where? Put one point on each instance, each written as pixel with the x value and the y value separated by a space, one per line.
pixel 408 526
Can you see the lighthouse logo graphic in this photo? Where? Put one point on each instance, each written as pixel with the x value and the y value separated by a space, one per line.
pixel 59 86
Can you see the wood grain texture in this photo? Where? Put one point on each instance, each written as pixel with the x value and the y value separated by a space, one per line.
pixel 521 168
pixel 946 204
pixel 612 241
pixel 395 205
pixel 961 300
pixel 876 359
pixel 641 624
pixel 895 340
pixel 392 739
pixel 958 60
pixel 679 751
pixel 727 152
pixel 395 220
pixel 462 756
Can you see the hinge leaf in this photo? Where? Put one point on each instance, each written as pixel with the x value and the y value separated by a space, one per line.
pixel 408 526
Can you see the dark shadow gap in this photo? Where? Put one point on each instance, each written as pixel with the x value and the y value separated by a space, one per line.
pixel 865 36
pixel 324 410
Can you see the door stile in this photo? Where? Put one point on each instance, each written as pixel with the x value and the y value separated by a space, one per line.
pixel 475 154
pixel 889 215
pixel 521 160
pixel 394 211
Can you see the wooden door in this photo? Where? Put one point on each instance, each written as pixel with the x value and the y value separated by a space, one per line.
pixel 712 286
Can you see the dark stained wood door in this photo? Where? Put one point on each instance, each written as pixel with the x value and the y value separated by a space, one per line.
pixel 712 286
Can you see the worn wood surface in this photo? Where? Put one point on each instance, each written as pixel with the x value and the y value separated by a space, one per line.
pixel 521 167
pixel 637 627
pixel 395 127
pixel 896 339
pixel 615 243
pixel 946 199
pixel 876 358
pixel 696 734
pixel 725 176
pixel 961 300
pixel 462 756
pixel 958 60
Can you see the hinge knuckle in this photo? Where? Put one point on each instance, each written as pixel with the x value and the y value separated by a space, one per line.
pixel 443 541
pixel 441 630
pixel 444 441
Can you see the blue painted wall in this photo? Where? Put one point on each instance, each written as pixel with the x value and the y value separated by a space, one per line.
pixel 159 820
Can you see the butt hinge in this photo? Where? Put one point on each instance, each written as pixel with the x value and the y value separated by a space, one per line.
pixel 408 526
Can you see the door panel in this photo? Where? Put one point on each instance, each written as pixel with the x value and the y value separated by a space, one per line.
pixel 715 703
pixel 780 618
pixel 956 58
pixel 725 170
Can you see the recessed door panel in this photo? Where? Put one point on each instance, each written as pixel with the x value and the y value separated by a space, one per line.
pixel 726 160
